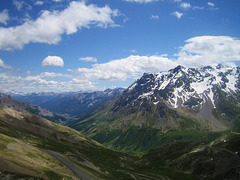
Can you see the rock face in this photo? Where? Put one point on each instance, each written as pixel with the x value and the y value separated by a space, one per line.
pixel 205 99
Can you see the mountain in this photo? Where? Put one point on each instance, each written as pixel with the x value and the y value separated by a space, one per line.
pixel 32 147
pixel 70 105
pixel 180 104
pixel 24 106
pixel 79 104
pixel 33 98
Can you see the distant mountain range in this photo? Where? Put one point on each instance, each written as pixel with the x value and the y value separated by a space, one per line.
pixel 71 105
pixel 33 98
pixel 182 103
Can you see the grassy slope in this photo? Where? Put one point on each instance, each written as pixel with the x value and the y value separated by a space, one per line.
pixel 24 135
pixel 120 130
pixel 218 159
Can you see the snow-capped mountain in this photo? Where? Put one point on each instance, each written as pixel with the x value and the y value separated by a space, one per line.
pixel 188 87
pixel 211 93
pixel 182 99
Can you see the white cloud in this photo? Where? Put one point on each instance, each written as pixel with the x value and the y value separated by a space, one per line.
pixel 130 67
pixel 177 14
pixel 9 83
pixel 197 52
pixel 141 1
pixel 4 16
pixel 207 50
pixel 39 3
pixel 155 17
pixel 3 65
pixel 53 61
pixel 38 84
pixel 211 4
pixel 53 74
pixel 18 4
pixel 88 59
pixel 76 16
pixel 198 7
pixel 185 5
pixel 57 0
pixel 41 83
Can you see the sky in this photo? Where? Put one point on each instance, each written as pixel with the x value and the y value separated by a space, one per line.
pixel 66 45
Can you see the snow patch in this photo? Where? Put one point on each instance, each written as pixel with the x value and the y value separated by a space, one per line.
pixel 146 94
pixel 132 86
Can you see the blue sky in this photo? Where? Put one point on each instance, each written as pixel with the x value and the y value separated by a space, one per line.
pixel 65 45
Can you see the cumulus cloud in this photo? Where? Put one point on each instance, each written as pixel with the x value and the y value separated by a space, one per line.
pixel 88 59
pixel 177 14
pixel 207 50
pixel 197 52
pixel 47 81
pixel 9 83
pixel 39 84
pixel 211 4
pixel 130 67
pixel 76 16
pixel 4 16
pixel 53 61
pixel 185 5
pixel 141 1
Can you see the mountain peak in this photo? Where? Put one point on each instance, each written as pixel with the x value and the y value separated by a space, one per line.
pixel 177 69
pixel 187 87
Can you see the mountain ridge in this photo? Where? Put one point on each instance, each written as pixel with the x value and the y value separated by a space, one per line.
pixel 71 105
